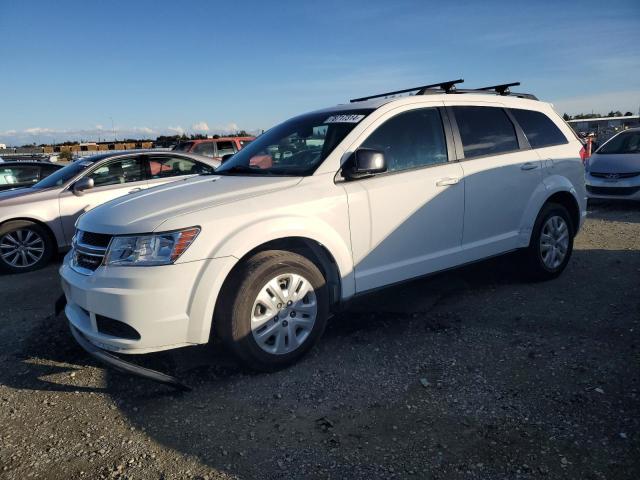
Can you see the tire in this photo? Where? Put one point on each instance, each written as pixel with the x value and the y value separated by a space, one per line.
pixel 37 246
pixel 266 326
pixel 552 234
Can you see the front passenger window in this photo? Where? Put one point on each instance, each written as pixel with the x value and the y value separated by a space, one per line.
pixel 124 170
pixel 411 139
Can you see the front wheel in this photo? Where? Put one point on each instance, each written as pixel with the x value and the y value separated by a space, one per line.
pixel 551 243
pixel 24 246
pixel 273 309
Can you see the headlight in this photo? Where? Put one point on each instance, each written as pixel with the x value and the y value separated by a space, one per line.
pixel 154 249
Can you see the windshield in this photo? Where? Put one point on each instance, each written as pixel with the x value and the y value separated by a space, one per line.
pixel 295 147
pixel 60 177
pixel 182 147
pixel 627 142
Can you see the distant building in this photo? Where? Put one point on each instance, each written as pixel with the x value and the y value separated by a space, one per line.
pixel 604 127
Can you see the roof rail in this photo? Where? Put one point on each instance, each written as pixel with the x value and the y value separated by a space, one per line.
pixel 502 89
pixel 448 87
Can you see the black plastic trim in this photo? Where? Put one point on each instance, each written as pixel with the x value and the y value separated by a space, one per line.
pixel 117 363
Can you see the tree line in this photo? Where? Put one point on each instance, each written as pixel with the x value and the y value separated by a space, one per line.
pixel 585 116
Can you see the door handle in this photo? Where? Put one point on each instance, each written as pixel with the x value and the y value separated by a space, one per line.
pixel 443 182
pixel 529 166
pixel 137 189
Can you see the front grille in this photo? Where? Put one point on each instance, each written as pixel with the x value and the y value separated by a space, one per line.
pixel 618 191
pixel 94 239
pixel 614 176
pixel 89 250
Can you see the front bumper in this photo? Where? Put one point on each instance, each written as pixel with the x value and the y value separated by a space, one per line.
pixel 167 306
pixel 621 189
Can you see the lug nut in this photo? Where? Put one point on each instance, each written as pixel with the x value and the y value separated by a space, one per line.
pixel 289 303
pixel 279 305
pixel 285 323
pixel 292 314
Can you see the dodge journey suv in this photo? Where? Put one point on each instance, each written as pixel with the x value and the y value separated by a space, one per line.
pixel 323 207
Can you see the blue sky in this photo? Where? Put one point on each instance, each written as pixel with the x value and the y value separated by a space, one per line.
pixel 158 67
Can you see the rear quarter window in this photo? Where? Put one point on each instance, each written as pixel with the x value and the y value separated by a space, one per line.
pixel 538 128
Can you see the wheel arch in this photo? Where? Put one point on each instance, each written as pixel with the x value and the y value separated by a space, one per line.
pixel 568 201
pixel 40 223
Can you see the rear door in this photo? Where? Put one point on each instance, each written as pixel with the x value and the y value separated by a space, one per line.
pixel 501 175
pixel 112 179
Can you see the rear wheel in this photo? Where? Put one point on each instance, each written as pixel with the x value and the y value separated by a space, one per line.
pixel 273 309
pixel 24 246
pixel 551 243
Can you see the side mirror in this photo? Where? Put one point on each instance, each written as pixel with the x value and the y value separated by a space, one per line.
pixel 363 163
pixel 226 157
pixel 83 184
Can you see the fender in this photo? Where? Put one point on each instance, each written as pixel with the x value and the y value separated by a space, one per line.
pixel 250 236
pixel 226 255
pixel 548 187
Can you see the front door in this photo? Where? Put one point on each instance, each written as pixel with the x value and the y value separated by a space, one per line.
pixel 407 221
pixel 112 179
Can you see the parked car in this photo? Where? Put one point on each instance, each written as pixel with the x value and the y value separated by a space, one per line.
pixel 214 147
pixel 37 221
pixel 613 171
pixel 321 208
pixel 24 174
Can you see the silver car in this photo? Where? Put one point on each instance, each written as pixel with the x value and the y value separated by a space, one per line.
pixel 613 171
pixel 36 222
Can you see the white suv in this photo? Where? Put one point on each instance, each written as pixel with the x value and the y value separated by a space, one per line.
pixel 323 207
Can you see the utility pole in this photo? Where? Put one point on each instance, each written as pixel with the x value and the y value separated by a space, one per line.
pixel 113 129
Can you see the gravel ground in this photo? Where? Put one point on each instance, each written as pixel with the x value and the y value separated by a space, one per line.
pixel 471 374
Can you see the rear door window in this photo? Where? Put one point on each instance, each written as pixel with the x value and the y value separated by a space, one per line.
pixel 538 128
pixel 485 131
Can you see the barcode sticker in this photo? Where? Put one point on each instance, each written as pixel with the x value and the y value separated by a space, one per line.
pixel 351 118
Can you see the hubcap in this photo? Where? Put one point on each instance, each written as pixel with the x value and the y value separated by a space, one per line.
pixel 554 242
pixel 21 248
pixel 283 314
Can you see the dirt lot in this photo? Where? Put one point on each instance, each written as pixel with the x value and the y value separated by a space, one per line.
pixel 468 374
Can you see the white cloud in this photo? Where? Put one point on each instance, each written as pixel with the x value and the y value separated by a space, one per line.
pixel 200 127
pixel 100 133
pixel 175 130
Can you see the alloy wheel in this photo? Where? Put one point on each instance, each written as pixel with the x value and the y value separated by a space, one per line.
pixel 21 248
pixel 554 241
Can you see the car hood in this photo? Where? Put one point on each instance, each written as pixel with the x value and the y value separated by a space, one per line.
pixel 615 163
pixel 145 211
pixel 23 195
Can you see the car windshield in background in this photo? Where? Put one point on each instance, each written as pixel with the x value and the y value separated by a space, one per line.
pixel 295 147
pixel 62 176
pixel 628 142
pixel 182 147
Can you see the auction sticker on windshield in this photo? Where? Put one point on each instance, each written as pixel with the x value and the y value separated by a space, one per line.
pixel 352 118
